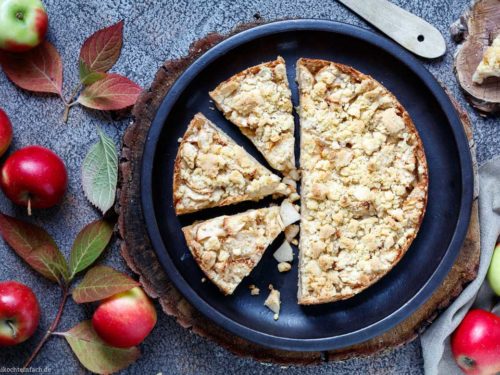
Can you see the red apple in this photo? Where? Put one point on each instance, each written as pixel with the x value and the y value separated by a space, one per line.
pixel 5 132
pixel 125 319
pixel 34 176
pixel 476 343
pixel 19 313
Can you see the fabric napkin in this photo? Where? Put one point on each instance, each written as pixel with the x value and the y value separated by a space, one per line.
pixel 435 341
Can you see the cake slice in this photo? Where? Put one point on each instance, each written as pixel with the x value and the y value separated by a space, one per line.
pixel 212 170
pixel 490 63
pixel 227 248
pixel 258 101
pixel 364 181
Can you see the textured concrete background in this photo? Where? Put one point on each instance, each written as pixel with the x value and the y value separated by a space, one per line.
pixel 155 31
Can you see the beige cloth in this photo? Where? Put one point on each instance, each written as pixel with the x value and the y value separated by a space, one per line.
pixel 435 341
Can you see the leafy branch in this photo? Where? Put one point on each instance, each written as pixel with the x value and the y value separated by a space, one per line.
pixel 41 70
pixel 37 248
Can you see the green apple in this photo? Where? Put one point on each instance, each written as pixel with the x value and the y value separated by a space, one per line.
pixel 23 24
pixel 494 271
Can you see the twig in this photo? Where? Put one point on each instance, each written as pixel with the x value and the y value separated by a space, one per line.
pixel 71 102
pixel 51 329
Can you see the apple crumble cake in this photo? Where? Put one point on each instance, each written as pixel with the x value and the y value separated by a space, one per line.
pixel 227 248
pixel 490 63
pixel 258 101
pixel 364 181
pixel 212 170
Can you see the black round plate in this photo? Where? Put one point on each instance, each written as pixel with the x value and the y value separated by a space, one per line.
pixel 408 285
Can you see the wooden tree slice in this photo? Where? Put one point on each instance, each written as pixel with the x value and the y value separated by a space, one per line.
pixel 140 256
pixel 476 29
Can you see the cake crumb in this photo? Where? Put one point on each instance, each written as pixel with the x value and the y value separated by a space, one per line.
pixel 254 291
pixel 291 232
pixel 284 267
pixel 273 302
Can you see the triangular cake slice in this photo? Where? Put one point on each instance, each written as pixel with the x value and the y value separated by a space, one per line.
pixel 490 63
pixel 211 170
pixel 364 181
pixel 258 101
pixel 227 248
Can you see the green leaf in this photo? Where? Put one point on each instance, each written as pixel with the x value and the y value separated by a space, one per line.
pixel 100 173
pixel 89 245
pixel 87 76
pixel 35 246
pixel 102 282
pixel 94 354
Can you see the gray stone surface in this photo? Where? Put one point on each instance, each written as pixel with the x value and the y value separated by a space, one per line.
pixel 155 31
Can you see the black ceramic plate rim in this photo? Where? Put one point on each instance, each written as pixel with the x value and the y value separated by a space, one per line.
pixel 315 344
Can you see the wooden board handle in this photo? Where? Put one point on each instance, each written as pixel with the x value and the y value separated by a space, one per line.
pixel 412 32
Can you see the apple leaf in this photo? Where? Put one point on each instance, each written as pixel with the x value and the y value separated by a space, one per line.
pixel 100 173
pixel 101 50
pixel 87 77
pixel 50 263
pixel 39 69
pixel 89 245
pixel 35 246
pixel 94 354
pixel 113 92
pixel 102 282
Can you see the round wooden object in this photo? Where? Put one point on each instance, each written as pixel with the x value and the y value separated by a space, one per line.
pixel 476 29
pixel 140 256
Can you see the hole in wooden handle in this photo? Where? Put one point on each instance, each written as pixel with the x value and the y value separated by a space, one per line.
pixel 420 38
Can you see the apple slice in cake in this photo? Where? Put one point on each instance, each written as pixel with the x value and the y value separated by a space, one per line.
pixel 364 181
pixel 211 170
pixel 258 101
pixel 227 248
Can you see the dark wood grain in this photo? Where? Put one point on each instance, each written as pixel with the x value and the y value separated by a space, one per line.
pixel 139 255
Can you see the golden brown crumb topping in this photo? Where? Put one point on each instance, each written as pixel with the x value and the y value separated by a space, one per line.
pixel 364 183
pixel 258 101
pixel 212 170
pixel 490 63
pixel 227 248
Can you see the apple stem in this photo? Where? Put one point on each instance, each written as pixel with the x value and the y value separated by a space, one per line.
pixel 51 329
pixel 29 206
pixel 20 16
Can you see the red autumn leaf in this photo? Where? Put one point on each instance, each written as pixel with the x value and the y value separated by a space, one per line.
pixel 101 50
pixel 49 262
pixel 35 246
pixel 39 69
pixel 111 93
